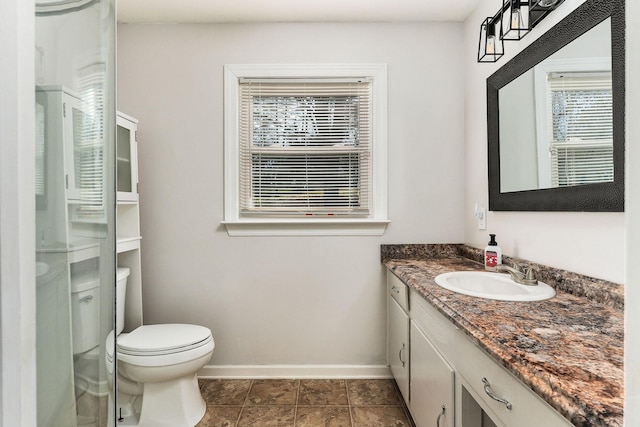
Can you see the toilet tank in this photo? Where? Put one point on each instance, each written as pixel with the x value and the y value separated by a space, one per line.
pixel 85 311
pixel 122 273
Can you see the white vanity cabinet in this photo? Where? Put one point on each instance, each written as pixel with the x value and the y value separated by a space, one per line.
pixel 398 333
pixel 446 369
pixel 424 378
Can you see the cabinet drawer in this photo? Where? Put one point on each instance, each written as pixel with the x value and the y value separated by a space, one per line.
pixel 527 408
pixel 398 290
pixel 438 328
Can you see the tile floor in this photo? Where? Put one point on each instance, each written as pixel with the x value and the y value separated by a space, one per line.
pixel 303 403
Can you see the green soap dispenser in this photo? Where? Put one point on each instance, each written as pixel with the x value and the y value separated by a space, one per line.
pixel 492 254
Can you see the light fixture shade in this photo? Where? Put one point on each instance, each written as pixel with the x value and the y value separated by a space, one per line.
pixel 516 22
pixel 541 8
pixel 490 45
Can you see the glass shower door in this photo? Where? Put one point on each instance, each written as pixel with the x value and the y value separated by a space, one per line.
pixel 75 209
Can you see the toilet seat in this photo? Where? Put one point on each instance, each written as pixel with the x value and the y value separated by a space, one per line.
pixel 163 345
pixel 158 340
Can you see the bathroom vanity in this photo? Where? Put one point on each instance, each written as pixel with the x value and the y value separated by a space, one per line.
pixel 469 362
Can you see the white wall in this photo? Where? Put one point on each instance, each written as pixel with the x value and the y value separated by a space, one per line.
pixel 518 158
pixel 288 300
pixel 17 216
pixel 586 243
pixel 632 295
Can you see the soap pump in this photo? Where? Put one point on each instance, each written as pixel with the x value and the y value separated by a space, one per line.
pixel 492 254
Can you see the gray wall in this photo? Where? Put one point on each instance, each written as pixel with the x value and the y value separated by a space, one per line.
pixel 584 242
pixel 284 300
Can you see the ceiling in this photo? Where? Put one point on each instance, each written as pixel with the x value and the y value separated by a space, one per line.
pixel 218 11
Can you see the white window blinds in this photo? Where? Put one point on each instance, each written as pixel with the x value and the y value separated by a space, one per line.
pixel 581 118
pixel 305 147
pixel 41 159
pixel 89 140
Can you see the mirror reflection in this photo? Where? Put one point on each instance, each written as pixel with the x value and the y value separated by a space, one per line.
pixel 555 120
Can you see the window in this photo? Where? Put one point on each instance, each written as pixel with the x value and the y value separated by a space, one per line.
pixel 87 116
pixel 581 117
pixel 578 122
pixel 305 149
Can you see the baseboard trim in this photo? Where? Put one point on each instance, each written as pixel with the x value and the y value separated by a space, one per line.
pixel 295 371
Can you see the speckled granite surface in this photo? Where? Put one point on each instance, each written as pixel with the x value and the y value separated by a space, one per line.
pixel 597 290
pixel 568 350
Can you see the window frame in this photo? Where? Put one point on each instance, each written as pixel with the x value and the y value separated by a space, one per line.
pixel 543 127
pixel 237 225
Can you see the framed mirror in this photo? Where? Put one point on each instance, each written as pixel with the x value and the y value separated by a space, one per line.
pixel 555 117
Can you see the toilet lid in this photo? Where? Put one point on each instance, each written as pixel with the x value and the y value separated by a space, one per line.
pixel 163 339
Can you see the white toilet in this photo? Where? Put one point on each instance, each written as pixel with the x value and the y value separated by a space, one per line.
pixel 157 365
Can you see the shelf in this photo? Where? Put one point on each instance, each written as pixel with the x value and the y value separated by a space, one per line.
pixel 76 252
pixel 125 244
pixel 125 198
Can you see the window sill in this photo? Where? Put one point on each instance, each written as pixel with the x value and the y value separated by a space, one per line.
pixel 306 227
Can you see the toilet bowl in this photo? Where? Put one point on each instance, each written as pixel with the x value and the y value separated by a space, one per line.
pixel 156 370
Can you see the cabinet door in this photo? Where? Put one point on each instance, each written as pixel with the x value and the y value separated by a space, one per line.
pixel 398 345
pixel 127 156
pixel 84 154
pixel 432 383
pixel 72 145
pixel 85 162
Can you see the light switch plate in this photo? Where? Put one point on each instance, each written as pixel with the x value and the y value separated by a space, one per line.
pixel 481 215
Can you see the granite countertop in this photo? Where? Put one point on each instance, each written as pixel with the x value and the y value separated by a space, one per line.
pixel 568 349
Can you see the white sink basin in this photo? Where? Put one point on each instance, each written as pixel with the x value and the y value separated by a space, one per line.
pixel 41 268
pixel 496 286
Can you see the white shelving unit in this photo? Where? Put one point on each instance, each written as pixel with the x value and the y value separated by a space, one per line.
pixel 71 232
pixel 128 216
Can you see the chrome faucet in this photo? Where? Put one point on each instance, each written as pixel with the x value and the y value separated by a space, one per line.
pixel 528 278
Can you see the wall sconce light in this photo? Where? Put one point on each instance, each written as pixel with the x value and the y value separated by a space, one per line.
pixel 491 46
pixel 513 21
pixel 541 8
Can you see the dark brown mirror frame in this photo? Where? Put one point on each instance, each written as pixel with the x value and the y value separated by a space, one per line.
pixel 603 197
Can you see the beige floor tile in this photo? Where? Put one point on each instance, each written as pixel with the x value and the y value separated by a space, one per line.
pixel 323 416
pixel 305 403
pixel 372 393
pixel 323 392
pixel 267 416
pixel 273 392
pixel 379 416
pixel 225 392
pixel 220 416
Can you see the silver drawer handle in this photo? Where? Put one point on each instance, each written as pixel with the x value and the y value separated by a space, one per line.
pixel 487 389
pixel 440 416
pixel 400 355
pixel 88 298
pixel 395 289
